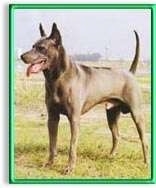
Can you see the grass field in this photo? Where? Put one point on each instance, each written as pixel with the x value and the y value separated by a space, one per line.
pixel 31 138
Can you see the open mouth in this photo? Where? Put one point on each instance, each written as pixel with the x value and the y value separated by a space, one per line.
pixel 36 67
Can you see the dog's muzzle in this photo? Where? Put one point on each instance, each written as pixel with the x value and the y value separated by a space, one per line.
pixel 36 65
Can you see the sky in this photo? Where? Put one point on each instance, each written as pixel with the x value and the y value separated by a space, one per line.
pixel 106 31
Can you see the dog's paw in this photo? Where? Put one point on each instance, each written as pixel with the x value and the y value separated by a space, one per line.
pixel 48 164
pixel 68 170
pixel 146 163
pixel 113 153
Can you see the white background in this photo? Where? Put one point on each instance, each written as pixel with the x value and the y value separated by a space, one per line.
pixel 4 87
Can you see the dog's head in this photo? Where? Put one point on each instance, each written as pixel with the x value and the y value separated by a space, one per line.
pixel 44 52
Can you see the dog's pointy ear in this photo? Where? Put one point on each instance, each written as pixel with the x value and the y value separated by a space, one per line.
pixel 55 35
pixel 42 32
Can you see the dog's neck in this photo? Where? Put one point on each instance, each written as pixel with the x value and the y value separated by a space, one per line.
pixel 61 64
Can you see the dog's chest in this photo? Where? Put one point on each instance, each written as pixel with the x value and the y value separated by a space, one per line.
pixel 57 96
pixel 62 100
pixel 60 95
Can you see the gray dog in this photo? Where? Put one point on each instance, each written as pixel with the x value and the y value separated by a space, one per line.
pixel 73 89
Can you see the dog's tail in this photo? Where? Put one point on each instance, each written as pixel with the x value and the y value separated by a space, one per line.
pixel 136 57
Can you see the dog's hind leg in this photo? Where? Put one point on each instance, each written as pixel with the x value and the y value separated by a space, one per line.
pixel 112 118
pixel 139 121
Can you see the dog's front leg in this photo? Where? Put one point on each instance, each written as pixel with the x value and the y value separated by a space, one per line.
pixel 74 126
pixel 53 121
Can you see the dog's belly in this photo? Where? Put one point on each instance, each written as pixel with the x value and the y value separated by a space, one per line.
pixel 107 103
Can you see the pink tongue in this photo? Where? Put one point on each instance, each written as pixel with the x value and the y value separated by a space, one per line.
pixel 33 69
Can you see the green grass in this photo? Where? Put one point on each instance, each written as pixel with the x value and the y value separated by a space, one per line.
pixel 28 92
pixel 31 139
pixel 144 80
pixel 31 151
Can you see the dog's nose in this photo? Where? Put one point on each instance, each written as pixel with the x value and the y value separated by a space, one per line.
pixel 22 57
pixel 27 57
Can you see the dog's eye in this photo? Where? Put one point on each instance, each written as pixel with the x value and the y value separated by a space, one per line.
pixel 41 48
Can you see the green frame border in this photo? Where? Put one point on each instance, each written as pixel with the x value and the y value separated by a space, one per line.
pixel 13 7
